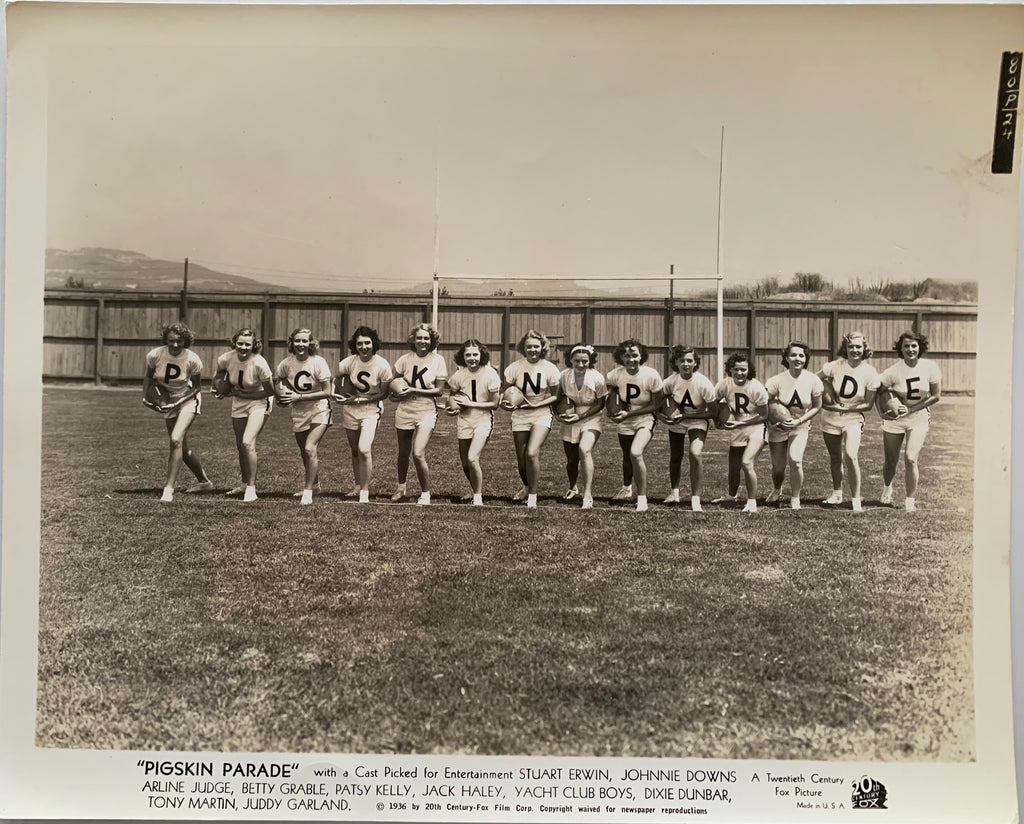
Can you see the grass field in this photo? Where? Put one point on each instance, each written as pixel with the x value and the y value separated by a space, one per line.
pixel 208 624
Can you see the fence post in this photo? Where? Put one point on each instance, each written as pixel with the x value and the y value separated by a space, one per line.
pixel 265 322
pixel 833 335
pixel 506 330
pixel 97 360
pixel 752 333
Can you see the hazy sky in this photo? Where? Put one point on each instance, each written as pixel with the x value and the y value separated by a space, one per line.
pixel 569 140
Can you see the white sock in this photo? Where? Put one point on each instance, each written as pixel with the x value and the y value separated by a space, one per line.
pixel 478 499
pixel 694 501
pixel 641 499
pixel 364 496
pixel 307 497
pixel 168 494
pixel 531 500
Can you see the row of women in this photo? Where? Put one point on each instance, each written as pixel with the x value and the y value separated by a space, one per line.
pixel 632 398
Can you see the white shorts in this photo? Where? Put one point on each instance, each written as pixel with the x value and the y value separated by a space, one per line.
pixel 195 404
pixel 835 423
pixel 241 408
pixel 406 418
pixel 777 435
pixel 683 427
pixel 309 414
pixel 743 435
pixel 631 426
pixel 572 432
pixel 468 427
pixel 914 421
pixel 355 415
pixel 525 418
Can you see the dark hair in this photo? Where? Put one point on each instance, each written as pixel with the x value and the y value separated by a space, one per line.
pixel 364 332
pixel 545 344
pixel 740 357
pixel 435 338
pixel 177 328
pixel 581 347
pixel 622 347
pixel 844 351
pixel 679 350
pixel 485 353
pixel 314 344
pixel 799 344
pixel 910 334
pixel 257 344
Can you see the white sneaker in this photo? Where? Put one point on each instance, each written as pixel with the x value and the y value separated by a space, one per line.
pixel 641 503
pixel 168 495
pixel 672 497
pixel 623 494
pixel 773 496
pixel 571 494
pixel 307 497
pixel 886 497
pixel 200 486
pixel 531 501
pixel 250 495
pixel 588 503
pixel 910 505
pixel 478 500
pixel 399 493
pixel 238 490
pixel 794 503
pixel 834 499
pixel 726 499
pixel 424 499
pixel 695 504
pixel 856 505
pixel 521 494
pixel 364 496
pixel 750 505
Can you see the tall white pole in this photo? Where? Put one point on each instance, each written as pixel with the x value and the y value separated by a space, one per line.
pixel 720 326
pixel 437 238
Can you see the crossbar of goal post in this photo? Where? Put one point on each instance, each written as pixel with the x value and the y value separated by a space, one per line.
pixel 719 311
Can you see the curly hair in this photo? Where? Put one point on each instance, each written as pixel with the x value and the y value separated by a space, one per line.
pixel 257 344
pixel 485 353
pixel 844 351
pixel 622 347
pixel 799 344
pixel 677 352
pixel 177 328
pixel 364 332
pixel 740 357
pixel 581 347
pixel 314 344
pixel 910 334
pixel 435 338
pixel 545 344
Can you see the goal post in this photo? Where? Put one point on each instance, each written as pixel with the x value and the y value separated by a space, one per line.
pixel 717 278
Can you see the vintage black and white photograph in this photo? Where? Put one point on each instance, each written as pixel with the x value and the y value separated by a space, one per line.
pixel 589 382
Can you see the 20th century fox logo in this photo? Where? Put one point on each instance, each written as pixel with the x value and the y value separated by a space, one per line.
pixel 868 794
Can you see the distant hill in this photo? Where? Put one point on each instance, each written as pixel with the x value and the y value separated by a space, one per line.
pixel 98 268
pixel 551 288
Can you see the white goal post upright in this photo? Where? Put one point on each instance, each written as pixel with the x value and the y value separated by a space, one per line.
pixel 717 277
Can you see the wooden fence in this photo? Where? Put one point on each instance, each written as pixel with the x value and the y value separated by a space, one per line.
pixel 104 336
